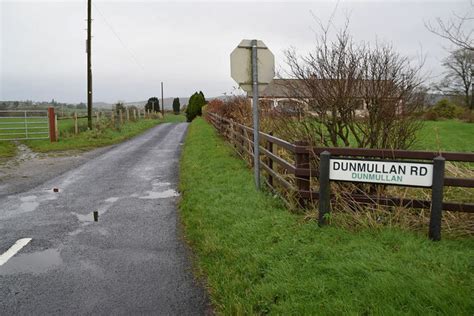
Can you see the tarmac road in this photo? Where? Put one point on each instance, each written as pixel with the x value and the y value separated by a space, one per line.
pixel 131 261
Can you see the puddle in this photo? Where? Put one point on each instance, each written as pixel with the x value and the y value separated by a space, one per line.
pixel 29 203
pixel 85 217
pixel 89 217
pixel 157 183
pixel 36 262
pixel 160 195
pixel 76 232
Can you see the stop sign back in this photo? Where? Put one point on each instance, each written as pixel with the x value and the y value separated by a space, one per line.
pixel 241 65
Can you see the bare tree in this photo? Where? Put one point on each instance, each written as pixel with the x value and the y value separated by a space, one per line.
pixel 357 95
pixel 459 71
pixel 458 30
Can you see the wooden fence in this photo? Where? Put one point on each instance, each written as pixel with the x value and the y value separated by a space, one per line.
pixel 115 117
pixel 297 176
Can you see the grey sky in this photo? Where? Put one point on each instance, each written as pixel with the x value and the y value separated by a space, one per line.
pixel 184 44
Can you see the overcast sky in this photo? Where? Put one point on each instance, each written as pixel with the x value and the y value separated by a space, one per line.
pixel 185 44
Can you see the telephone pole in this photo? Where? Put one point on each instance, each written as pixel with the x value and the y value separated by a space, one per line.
pixel 89 64
pixel 162 102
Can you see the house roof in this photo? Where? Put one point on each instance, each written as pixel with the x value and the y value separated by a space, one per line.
pixel 297 88
pixel 284 88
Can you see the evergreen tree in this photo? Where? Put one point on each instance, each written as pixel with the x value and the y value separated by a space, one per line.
pixel 196 102
pixel 176 105
pixel 153 104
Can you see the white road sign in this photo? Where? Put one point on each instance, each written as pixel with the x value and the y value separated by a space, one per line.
pixel 385 172
pixel 241 65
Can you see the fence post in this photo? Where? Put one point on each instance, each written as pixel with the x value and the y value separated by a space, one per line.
pixel 76 127
pixel 26 125
pixel 270 160
pixel 324 187
pixel 128 115
pixel 121 117
pixel 437 198
pixel 56 126
pixel 52 127
pixel 112 118
pixel 302 182
pixel 134 114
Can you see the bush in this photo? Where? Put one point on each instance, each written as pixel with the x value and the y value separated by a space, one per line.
pixel 153 104
pixel 194 108
pixel 176 106
pixel 236 108
pixel 431 115
pixel 467 116
pixel 446 109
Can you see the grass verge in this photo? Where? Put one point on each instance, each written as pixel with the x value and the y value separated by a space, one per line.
pixel 7 149
pixel 258 258
pixel 98 138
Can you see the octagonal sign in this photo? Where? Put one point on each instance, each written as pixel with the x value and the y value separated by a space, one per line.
pixel 241 65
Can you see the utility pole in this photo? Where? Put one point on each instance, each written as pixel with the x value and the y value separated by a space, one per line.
pixel 89 64
pixel 162 103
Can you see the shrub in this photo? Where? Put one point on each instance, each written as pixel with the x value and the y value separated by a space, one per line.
pixel 236 108
pixel 430 115
pixel 176 106
pixel 194 108
pixel 153 104
pixel 446 109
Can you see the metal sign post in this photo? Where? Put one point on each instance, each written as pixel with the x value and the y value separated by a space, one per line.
pixel 252 66
pixel 256 126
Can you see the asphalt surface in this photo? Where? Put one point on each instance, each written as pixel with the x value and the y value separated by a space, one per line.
pixel 131 261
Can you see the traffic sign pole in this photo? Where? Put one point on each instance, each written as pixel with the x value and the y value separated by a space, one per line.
pixel 256 127
pixel 252 73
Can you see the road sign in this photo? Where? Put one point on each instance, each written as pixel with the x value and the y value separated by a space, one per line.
pixel 241 65
pixel 385 172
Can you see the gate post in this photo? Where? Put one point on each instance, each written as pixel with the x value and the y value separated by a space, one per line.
pixel 302 182
pixel 437 198
pixel 324 187
pixel 52 124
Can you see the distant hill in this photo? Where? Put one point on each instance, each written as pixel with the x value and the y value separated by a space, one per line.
pixel 168 103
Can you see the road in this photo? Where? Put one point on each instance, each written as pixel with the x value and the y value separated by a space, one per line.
pixel 132 260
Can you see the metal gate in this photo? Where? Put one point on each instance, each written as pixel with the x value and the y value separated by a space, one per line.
pixel 22 125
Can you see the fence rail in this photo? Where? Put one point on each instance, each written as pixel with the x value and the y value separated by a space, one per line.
pixel 302 172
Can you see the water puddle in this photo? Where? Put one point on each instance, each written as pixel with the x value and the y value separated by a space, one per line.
pixel 112 199
pixel 36 262
pixel 29 203
pixel 157 183
pixel 85 217
pixel 94 215
pixel 160 195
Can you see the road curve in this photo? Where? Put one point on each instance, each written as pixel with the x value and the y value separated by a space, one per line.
pixel 131 261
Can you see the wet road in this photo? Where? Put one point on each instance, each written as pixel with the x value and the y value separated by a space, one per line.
pixel 132 261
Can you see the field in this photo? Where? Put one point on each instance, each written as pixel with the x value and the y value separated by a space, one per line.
pixel 258 258
pixel 449 135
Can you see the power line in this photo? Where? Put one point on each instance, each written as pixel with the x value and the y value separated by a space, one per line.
pixel 129 51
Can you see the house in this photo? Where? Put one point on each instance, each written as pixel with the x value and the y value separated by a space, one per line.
pixel 293 95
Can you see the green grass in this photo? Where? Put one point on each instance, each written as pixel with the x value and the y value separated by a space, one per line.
pixel 450 135
pixel 258 258
pixel 7 149
pixel 92 139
